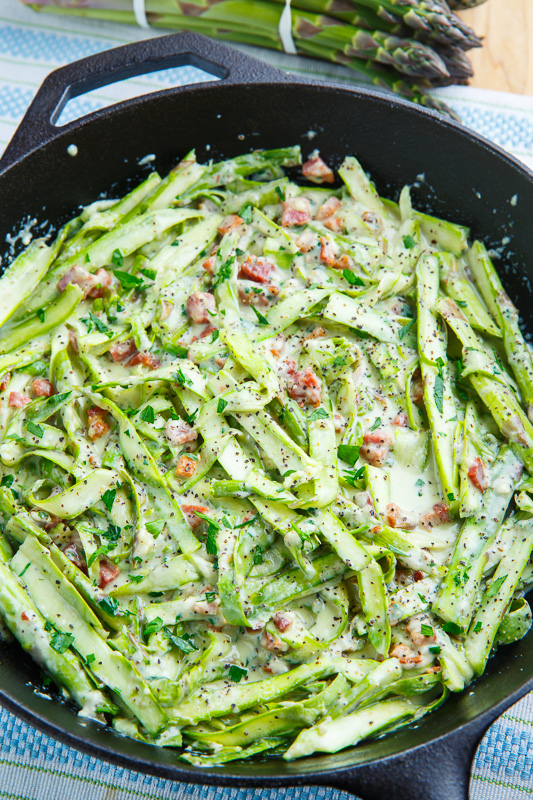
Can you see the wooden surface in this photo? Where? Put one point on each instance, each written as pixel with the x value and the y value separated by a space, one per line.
pixel 505 62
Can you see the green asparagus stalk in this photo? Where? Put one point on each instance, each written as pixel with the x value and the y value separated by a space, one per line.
pixel 458 593
pixel 319 36
pixel 460 4
pixel 430 18
pixel 29 627
pixel 498 595
pixel 495 393
pixel 502 308
pixel 438 397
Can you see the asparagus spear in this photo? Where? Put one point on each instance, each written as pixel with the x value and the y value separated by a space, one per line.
pixel 29 627
pixel 517 351
pixel 430 18
pixel 495 392
pixel 498 594
pixel 255 23
pixel 457 595
pixel 460 4
pixel 438 397
pixel 57 599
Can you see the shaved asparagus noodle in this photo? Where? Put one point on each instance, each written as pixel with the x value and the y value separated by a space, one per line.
pixel 265 448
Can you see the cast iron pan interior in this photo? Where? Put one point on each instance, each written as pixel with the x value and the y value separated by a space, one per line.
pixel 455 173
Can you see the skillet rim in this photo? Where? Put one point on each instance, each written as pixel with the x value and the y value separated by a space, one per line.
pixel 14 156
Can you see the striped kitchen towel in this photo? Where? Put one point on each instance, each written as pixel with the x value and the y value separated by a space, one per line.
pixel 33 765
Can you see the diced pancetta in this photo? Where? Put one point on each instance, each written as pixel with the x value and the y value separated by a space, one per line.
pixel 317 171
pixel 18 400
pixel 178 432
pixel 305 388
pixel 296 211
pixel 42 387
pixel 257 269
pixel 199 306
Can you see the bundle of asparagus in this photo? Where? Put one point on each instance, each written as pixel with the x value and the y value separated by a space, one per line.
pixel 458 4
pixel 407 46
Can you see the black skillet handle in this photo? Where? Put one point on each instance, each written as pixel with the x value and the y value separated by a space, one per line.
pixel 150 55
pixel 437 771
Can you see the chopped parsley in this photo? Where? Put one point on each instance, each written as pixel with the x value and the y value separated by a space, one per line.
pixel 108 498
pixel 36 430
pixel 237 673
pixel 348 453
pixel 353 280
pixel 117 258
pixel 155 527
pixel 319 413
pixel 148 415
pixel 60 642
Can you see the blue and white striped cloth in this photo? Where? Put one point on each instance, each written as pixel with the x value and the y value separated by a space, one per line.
pixel 35 767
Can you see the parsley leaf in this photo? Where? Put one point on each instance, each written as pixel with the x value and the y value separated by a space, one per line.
pixel 7 480
pixel 128 281
pixel 60 642
pixel 237 673
pixel 221 405
pixel 149 273
pixel 354 476
pixel 190 419
pixel 100 326
pixel 153 627
pixel 495 586
pixel 477 626
pixel 108 498
pixel 247 522
pixel 319 413
pixel 376 424
pixel 109 605
pixel 262 319
pixel 408 242
pixel 37 430
pixel 348 453
pixel 404 330
pixel 177 350
pixel 41 314
pixel 246 212
pixel 117 258
pixel 103 550
pixel 183 643
pixel 224 272
pixel 353 280
pixel 181 378
pixel 212 528
pixel 438 393
pixel 147 415
pixel 426 630
pixel 211 542
pixel 452 627
pixel 155 527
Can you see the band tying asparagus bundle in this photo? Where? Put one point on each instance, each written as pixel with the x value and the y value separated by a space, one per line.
pixel 406 47
pixel 264 458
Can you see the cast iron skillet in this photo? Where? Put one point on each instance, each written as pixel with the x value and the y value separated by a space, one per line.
pixel 253 105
